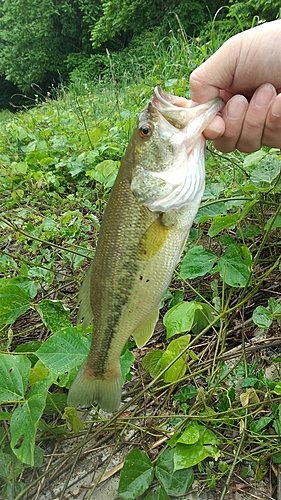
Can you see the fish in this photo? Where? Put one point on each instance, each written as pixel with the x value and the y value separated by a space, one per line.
pixel 145 225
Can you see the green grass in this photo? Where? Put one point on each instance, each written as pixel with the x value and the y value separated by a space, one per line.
pixel 205 388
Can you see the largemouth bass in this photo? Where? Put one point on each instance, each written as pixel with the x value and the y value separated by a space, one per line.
pixel 145 225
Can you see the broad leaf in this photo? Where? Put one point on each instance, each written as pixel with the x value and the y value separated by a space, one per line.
pixel 157 493
pixel 14 302
pixel 190 434
pixel 54 315
pixel 126 361
pixel 262 317
pixel 136 475
pixel 266 172
pixel 25 419
pixel 178 368
pixel 152 362
pixel 188 455
pixel 234 268
pixel 14 373
pixel 180 318
pixel 64 350
pixel 174 483
pixel 197 262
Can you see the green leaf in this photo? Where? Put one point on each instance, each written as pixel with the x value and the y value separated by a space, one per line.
pixel 203 317
pixel 25 420
pixel 233 268
pixel 14 373
pixel 253 158
pixel 105 172
pixel 273 225
pixel 26 284
pixel 266 172
pixel 277 388
pixel 152 362
pixel 180 318
pixel 262 317
pixel 188 455
pixel 197 262
pixel 157 493
pixel 186 392
pixel 64 350
pixel 174 483
pixel 53 314
pixel 190 434
pixel 227 221
pixel 260 424
pixel 73 420
pixel 178 369
pixel 14 302
pixel 136 475
pixel 250 231
pixel 126 361
pixel 210 211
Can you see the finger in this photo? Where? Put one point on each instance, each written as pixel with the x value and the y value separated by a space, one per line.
pixel 272 130
pixel 215 129
pixel 233 115
pixel 255 119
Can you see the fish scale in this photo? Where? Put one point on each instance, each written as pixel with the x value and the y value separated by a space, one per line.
pixel 143 232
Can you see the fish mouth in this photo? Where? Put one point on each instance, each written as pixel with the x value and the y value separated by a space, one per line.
pixel 180 112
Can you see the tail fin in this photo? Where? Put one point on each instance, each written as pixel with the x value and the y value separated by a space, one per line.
pixel 86 390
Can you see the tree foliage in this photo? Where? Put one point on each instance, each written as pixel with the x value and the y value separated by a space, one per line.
pixel 36 37
pixel 44 42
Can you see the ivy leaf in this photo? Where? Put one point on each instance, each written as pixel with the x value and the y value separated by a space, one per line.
pixel 174 483
pixel 136 475
pixel 14 373
pixel 14 302
pixel 197 262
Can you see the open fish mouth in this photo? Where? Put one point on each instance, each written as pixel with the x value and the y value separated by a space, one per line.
pixel 182 180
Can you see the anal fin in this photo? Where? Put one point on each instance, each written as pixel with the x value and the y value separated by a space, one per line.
pixel 143 333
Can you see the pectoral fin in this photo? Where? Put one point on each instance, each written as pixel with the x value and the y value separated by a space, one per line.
pixel 85 311
pixel 153 240
pixel 144 332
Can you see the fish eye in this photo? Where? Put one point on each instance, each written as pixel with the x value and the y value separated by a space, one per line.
pixel 145 131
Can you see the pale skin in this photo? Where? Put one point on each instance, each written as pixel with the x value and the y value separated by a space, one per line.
pixel 246 73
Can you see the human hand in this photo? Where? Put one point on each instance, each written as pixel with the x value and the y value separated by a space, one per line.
pixel 246 73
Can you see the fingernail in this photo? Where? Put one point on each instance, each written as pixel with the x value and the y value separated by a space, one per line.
pixel 236 107
pixel 263 95
pixel 276 108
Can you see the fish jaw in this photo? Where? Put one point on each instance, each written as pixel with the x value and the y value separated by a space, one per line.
pixel 181 180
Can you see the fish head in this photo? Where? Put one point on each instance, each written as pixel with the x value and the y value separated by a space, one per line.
pixel 168 163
